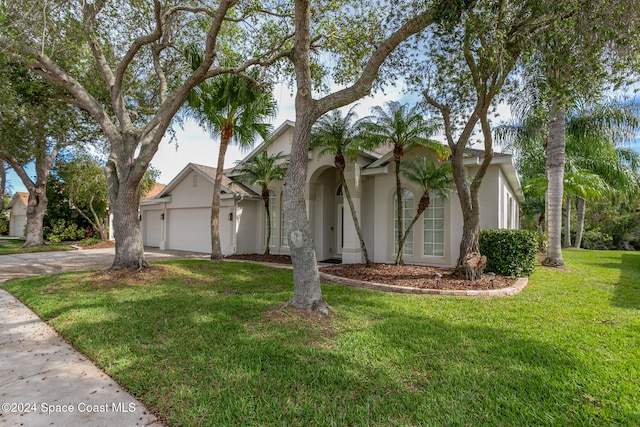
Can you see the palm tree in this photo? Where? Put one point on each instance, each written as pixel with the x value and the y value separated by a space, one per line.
pixel 262 170
pixel 342 137
pixel 430 177
pixel 403 128
pixel 595 163
pixel 231 107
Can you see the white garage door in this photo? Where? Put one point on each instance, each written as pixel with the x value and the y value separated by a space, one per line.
pixel 17 224
pixel 189 229
pixel 152 228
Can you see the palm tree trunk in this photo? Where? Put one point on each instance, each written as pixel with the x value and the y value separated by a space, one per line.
pixel 216 247
pixel 580 222
pixel 399 216
pixel 567 222
pixel 265 199
pixel 422 206
pixel 356 223
pixel 555 152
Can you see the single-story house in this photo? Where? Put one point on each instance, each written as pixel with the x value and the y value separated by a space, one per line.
pixel 179 216
pixel 18 214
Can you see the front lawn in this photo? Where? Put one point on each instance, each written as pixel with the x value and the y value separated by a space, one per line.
pixel 14 246
pixel 208 344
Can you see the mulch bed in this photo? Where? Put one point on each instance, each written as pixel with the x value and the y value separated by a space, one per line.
pixel 276 259
pixel 417 276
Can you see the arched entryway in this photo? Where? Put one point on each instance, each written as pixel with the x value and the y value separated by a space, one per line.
pixel 326 212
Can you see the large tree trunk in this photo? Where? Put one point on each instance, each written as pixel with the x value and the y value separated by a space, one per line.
pixel 555 152
pixel 216 248
pixel 126 228
pixel 36 209
pixel 580 222
pixel 354 215
pixel 37 202
pixel 307 294
pixel 124 200
pixel 567 222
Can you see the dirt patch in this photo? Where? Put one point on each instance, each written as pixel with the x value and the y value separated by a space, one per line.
pixel 102 245
pixel 417 276
pixel 117 278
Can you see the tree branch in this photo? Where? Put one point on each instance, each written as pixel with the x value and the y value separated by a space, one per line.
pixel 364 83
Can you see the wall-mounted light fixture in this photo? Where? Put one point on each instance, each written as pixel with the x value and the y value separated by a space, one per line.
pixel 230 216
pixel 162 216
pixel 139 217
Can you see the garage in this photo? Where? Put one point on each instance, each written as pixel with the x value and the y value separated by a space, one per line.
pixel 152 223
pixel 188 229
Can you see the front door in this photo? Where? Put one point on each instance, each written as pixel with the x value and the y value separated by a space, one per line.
pixel 339 228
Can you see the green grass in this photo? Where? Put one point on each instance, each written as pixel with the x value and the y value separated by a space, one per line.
pixel 14 246
pixel 208 344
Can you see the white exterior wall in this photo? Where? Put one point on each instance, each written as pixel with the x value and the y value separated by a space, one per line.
pixel 187 218
pixel 17 218
pixel 247 237
pixel 16 225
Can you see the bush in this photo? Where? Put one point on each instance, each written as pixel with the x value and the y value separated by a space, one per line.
pixel 89 241
pixel 60 231
pixel 4 225
pixel 507 251
pixel 596 239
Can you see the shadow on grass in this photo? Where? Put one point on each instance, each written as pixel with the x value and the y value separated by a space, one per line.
pixel 217 360
pixel 627 291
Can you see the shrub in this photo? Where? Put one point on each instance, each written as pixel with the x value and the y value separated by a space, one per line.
pixel 596 239
pixel 4 225
pixel 60 231
pixel 89 241
pixel 507 251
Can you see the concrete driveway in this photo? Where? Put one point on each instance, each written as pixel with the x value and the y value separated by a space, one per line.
pixel 44 381
pixel 39 263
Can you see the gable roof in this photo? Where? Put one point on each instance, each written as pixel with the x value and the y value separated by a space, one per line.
pixel 229 186
pixel 472 156
pixel 288 124
pixel 19 196
pixel 153 192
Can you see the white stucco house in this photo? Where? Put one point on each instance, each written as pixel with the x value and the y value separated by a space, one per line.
pixel 179 216
pixel 17 209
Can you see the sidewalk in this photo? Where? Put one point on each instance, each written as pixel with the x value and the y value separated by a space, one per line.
pixel 43 380
pixel 46 382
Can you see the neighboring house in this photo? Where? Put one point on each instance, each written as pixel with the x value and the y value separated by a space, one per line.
pixel 179 216
pixel 18 214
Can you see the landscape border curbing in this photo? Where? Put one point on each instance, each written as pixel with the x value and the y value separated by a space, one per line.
pixel 515 289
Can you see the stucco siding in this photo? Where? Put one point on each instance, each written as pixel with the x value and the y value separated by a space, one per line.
pixel 16 225
pixel 194 190
pixel 249 240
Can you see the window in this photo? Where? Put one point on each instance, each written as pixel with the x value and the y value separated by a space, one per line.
pixel 274 221
pixel 407 216
pixel 433 225
pixel 284 230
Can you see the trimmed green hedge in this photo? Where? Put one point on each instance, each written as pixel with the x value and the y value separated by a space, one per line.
pixel 509 250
